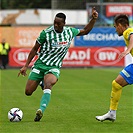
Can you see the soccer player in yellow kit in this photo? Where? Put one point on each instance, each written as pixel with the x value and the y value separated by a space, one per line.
pixel 125 77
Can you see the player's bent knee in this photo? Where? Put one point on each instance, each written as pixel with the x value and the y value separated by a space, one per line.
pixel 28 93
pixel 49 85
pixel 116 86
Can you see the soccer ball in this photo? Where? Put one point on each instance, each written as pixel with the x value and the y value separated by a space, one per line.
pixel 15 115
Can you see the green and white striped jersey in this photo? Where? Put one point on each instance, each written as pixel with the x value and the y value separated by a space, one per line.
pixel 54 46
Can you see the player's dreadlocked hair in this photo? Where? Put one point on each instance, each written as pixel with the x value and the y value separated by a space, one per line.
pixel 122 19
pixel 61 15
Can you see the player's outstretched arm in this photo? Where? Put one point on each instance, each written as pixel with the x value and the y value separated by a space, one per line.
pixel 91 23
pixel 30 57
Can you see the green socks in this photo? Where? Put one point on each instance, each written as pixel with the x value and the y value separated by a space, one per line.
pixel 45 99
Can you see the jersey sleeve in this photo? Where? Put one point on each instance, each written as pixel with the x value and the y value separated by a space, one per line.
pixel 131 32
pixel 42 37
pixel 75 31
pixel 127 33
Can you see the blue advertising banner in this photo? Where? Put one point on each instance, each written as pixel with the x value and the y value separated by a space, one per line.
pixel 100 37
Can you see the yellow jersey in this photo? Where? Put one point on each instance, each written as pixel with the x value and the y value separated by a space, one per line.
pixel 126 35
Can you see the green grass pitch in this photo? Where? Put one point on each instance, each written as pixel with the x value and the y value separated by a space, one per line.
pixel 78 96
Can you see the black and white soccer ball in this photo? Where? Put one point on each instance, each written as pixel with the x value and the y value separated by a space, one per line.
pixel 15 115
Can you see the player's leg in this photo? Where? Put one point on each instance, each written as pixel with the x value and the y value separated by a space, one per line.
pixel 49 81
pixel 124 78
pixel 34 78
pixel 114 100
pixel 31 87
pixel 117 85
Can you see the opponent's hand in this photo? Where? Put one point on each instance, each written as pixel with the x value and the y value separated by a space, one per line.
pixel 94 13
pixel 22 71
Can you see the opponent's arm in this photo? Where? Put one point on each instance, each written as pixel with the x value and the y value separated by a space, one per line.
pixel 30 57
pixel 90 25
pixel 129 47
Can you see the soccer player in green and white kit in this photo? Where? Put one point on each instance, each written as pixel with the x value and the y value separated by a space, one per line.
pixel 53 44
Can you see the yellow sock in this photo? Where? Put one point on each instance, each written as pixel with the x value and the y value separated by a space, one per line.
pixel 115 95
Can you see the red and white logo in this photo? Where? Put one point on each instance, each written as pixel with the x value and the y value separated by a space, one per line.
pixel 20 56
pixel 107 56
pixel 114 9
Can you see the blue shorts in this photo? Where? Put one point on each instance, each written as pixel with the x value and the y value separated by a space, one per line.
pixel 127 74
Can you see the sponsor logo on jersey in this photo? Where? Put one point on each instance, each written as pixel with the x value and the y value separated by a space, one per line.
pixel 63 43
pixel 58 44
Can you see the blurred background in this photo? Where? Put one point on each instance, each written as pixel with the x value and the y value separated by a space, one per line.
pixel 21 21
